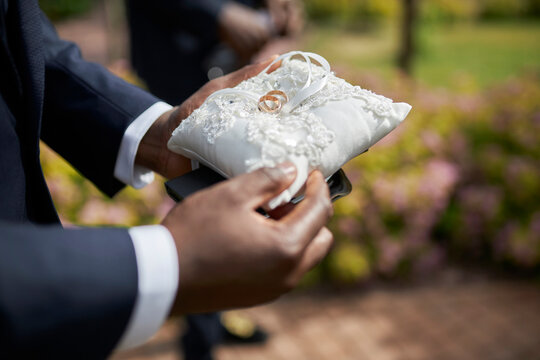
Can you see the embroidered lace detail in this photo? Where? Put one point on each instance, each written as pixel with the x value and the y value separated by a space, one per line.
pixel 270 131
pixel 217 117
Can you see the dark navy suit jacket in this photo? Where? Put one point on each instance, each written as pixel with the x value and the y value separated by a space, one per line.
pixel 63 293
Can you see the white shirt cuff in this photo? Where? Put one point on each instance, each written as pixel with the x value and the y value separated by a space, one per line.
pixel 125 169
pixel 157 268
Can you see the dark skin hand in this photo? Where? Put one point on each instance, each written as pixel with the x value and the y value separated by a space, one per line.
pixel 242 29
pixel 153 152
pixel 287 16
pixel 229 255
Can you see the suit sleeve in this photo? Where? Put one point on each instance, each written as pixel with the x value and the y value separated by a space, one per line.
pixel 64 293
pixel 86 110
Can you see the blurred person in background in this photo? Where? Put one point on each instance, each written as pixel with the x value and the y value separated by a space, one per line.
pixel 176 47
pixel 80 293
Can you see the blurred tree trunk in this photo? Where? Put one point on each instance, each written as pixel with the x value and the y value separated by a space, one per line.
pixel 407 50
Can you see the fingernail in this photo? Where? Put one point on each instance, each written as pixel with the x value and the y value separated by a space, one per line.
pixel 271 58
pixel 288 169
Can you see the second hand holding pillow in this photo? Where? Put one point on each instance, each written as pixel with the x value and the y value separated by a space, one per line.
pixel 308 116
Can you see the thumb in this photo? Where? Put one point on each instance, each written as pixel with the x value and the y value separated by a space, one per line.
pixel 249 71
pixel 258 187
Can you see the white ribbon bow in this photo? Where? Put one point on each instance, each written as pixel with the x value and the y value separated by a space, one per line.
pixel 310 88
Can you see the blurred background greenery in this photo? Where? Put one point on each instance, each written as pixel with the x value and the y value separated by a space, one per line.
pixel 61 9
pixel 459 181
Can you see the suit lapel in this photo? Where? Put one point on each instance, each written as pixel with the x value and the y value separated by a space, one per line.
pixel 30 60
pixel 3 9
pixel 11 84
pixel 24 58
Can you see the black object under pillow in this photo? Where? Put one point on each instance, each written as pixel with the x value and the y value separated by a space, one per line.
pixel 181 187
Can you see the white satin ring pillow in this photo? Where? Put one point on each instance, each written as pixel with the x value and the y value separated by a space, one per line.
pixel 325 123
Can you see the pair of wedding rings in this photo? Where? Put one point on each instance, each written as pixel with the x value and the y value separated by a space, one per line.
pixel 272 101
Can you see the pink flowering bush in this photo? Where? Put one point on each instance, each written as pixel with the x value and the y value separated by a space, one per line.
pixel 495 210
pixel 459 178
pixel 80 203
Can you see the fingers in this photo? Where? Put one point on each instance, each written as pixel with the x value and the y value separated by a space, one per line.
pixel 256 188
pixel 281 211
pixel 248 43
pixel 274 66
pixel 311 214
pixel 317 249
pixel 227 81
pixel 315 252
pixel 247 72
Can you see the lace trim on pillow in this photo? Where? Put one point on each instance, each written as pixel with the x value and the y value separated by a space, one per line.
pixel 216 117
pixel 218 114
pixel 270 132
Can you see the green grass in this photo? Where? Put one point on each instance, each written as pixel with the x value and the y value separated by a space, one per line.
pixel 465 56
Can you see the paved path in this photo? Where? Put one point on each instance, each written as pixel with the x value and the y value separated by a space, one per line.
pixel 465 319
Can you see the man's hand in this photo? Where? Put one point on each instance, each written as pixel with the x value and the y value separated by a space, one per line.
pixel 287 16
pixel 245 30
pixel 153 152
pixel 231 256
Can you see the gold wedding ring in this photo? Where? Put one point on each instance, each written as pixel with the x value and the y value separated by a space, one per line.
pixel 272 101
pixel 274 106
pixel 279 93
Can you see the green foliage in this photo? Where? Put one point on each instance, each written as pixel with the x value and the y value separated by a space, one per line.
pixel 431 10
pixel 351 10
pixel 349 263
pixel 444 10
pixel 60 9
pixel 534 8
pixel 503 8
pixel 496 204
pixel 79 202
pixel 462 56
pixel 460 178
